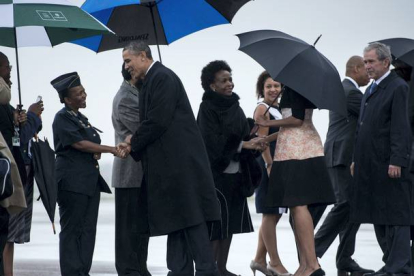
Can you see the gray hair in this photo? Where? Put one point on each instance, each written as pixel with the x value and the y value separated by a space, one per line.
pixel 383 51
pixel 138 46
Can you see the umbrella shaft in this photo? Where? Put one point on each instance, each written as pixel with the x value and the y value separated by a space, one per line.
pixel 17 66
pixel 155 32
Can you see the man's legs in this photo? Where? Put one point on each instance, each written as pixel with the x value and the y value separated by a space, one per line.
pixel 188 245
pixel 131 247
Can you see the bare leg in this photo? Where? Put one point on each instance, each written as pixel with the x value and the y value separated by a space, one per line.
pixel 8 259
pixel 303 228
pixel 268 231
pixel 261 251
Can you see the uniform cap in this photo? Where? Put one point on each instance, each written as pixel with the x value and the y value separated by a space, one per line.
pixel 66 81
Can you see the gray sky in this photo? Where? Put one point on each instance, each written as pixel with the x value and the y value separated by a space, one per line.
pixel 346 28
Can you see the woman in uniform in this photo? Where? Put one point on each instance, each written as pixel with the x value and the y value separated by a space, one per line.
pixel 77 147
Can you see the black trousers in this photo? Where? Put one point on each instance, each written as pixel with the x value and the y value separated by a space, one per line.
pixel 395 245
pixel 337 221
pixel 188 246
pixel 131 247
pixel 78 219
pixel 4 231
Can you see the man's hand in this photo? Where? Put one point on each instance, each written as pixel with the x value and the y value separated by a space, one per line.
pixel 394 171
pixel 37 108
pixel 20 117
pixel 351 168
pixel 123 150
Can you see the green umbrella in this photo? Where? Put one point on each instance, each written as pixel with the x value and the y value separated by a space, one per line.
pixel 25 23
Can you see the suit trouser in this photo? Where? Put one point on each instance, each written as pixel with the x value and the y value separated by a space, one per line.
pixel 78 219
pixel 131 247
pixel 187 246
pixel 337 221
pixel 395 245
pixel 4 231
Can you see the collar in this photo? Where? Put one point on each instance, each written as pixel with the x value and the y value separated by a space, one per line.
pixel 383 77
pixel 149 67
pixel 353 81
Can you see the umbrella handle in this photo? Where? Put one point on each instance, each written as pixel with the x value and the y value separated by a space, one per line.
pixel 53 227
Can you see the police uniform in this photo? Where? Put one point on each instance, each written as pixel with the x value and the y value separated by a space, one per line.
pixel 79 185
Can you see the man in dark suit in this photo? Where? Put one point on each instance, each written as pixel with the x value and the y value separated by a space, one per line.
pixel 178 191
pixel 339 145
pixel 383 191
pixel 131 247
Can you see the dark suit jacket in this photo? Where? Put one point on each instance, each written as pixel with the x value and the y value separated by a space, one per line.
pixel 339 142
pixel 178 179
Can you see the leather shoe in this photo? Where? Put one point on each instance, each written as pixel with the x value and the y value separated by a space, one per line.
pixel 393 274
pixel 376 273
pixel 353 269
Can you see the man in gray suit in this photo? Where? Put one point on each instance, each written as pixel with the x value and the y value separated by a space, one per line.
pixel 338 152
pixel 131 247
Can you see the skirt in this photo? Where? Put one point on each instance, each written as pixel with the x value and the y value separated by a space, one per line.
pixel 235 215
pixel 21 223
pixel 299 174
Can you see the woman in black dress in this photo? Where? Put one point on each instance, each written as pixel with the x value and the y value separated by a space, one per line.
pixel 224 129
pixel 299 175
pixel 78 149
pixel 269 92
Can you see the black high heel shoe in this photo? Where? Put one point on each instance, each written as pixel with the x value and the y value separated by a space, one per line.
pixel 318 272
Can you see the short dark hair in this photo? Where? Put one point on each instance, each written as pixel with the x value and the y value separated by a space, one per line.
pixel 125 73
pixel 2 56
pixel 138 46
pixel 208 73
pixel 260 84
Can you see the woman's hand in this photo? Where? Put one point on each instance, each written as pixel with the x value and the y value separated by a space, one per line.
pixel 257 143
pixel 262 121
pixel 20 117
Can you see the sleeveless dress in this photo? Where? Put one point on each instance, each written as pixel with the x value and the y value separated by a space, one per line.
pixel 299 175
pixel 261 191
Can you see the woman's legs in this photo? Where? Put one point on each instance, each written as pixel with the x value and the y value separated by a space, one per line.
pixel 268 243
pixel 221 250
pixel 303 229
pixel 8 255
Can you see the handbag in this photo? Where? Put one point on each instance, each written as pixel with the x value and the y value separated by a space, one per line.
pixel 6 185
pixel 251 174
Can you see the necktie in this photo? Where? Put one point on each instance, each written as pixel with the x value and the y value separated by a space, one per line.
pixel 373 87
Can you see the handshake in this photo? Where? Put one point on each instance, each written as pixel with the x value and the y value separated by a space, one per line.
pixel 124 148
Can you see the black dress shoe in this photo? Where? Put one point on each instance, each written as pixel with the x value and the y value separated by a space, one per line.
pixel 376 273
pixel 393 274
pixel 353 269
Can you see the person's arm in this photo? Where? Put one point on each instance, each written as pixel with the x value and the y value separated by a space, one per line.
pixel 354 102
pixel 290 121
pixel 160 111
pixel 128 116
pixel 400 134
pixel 88 146
pixel 263 132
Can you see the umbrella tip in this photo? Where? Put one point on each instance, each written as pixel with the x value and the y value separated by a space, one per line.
pixel 316 41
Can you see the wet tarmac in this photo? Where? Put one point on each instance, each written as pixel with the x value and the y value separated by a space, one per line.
pixel 40 257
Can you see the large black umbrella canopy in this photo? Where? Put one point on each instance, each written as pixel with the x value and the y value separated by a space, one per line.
pixel 44 172
pixel 157 22
pixel 298 65
pixel 401 48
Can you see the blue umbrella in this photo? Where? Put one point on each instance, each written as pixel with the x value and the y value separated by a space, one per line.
pixel 158 22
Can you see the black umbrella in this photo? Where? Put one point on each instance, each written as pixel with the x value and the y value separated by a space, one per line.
pixel 401 48
pixel 298 65
pixel 157 22
pixel 44 172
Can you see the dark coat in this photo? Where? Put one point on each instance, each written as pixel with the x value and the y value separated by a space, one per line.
pixel 180 186
pixel 383 138
pixel 76 171
pixel 339 144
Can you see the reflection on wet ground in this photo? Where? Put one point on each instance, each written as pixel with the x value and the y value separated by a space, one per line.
pixel 40 257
